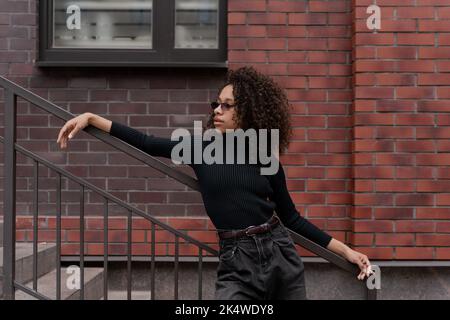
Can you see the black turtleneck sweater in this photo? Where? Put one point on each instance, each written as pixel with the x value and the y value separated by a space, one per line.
pixel 235 195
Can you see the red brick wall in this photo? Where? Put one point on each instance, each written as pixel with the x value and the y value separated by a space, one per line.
pixel 401 153
pixel 369 116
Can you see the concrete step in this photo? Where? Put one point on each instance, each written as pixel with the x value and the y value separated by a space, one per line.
pixel 93 286
pixel 122 295
pixel 46 259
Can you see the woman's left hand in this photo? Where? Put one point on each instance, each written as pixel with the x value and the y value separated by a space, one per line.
pixel 361 260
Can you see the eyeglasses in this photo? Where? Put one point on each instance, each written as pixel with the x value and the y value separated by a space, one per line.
pixel 224 106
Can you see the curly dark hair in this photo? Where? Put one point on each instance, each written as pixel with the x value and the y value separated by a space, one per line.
pixel 260 103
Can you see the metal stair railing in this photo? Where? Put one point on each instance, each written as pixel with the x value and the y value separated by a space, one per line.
pixel 12 91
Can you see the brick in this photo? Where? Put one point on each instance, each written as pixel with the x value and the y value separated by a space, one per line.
pixel 396 53
pixel 374 172
pixel 394 213
pixel 433 213
pixel 396 239
pixel 417 39
pixel 247 56
pixel 310 198
pixel 378 93
pixel 267 18
pixel 414 253
pixel 320 185
pixel 414 226
pixel 414 199
pixel 434 26
pixel 443 253
pixel 266 44
pixel 374 39
pixel 286 32
pixel 362 239
pixel 418 12
pixel 374 119
pixel 415 146
pixel 414 173
pixel 286 6
pixel 379 253
pixel 435 160
pixel 362 213
pixel 374 145
pixel 236 18
pixel 433 240
pixel 326 6
pixel 373 199
pixel 246 6
pixel 204 236
pixel 414 120
pixel 396 132
pixel 307 18
pixel 343 198
pixel 395 79
pixel 434 53
pixel 247 31
pixel 433 79
pixel 374 226
pixel 414 93
pixel 307 44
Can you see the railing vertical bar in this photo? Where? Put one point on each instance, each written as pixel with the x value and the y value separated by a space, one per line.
pixel 200 273
pixel 105 251
pixel 152 290
pixel 371 294
pixel 35 222
pixel 82 242
pixel 176 266
pixel 58 237
pixel 9 204
pixel 129 256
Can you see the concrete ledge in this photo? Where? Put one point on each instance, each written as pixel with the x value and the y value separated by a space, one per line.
pixel 323 281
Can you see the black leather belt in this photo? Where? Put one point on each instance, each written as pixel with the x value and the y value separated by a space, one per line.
pixel 262 228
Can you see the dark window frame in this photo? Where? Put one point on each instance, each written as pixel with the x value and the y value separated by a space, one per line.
pixel 163 54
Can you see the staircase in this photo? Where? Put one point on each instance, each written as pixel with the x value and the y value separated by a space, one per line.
pixel 46 273
pixel 37 271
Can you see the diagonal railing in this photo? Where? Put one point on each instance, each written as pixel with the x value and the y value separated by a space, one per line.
pixel 10 285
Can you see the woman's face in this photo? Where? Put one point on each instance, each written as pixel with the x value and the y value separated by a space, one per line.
pixel 223 116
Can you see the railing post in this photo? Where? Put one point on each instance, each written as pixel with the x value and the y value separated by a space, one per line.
pixel 9 204
pixel 372 294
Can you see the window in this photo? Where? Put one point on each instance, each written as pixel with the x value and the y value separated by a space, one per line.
pixel 133 33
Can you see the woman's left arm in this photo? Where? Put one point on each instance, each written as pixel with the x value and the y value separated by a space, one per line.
pixel 353 256
pixel 292 219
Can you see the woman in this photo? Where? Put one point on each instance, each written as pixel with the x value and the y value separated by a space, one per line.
pixel 250 211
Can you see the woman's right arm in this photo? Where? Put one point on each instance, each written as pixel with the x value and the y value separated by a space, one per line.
pixel 99 122
pixel 155 146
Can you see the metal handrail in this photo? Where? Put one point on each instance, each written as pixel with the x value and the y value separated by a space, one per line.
pixel 112 198
pixel 100 134
pixel 158 165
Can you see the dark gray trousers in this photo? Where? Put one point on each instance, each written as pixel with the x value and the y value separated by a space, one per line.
pixel 260 267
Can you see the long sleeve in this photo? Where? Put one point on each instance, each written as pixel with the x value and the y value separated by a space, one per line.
pixel 154 146
pixel 289 215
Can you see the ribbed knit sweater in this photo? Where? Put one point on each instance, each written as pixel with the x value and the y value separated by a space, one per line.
pixel 235 195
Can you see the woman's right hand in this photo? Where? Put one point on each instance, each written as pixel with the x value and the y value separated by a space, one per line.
pixel 71 127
